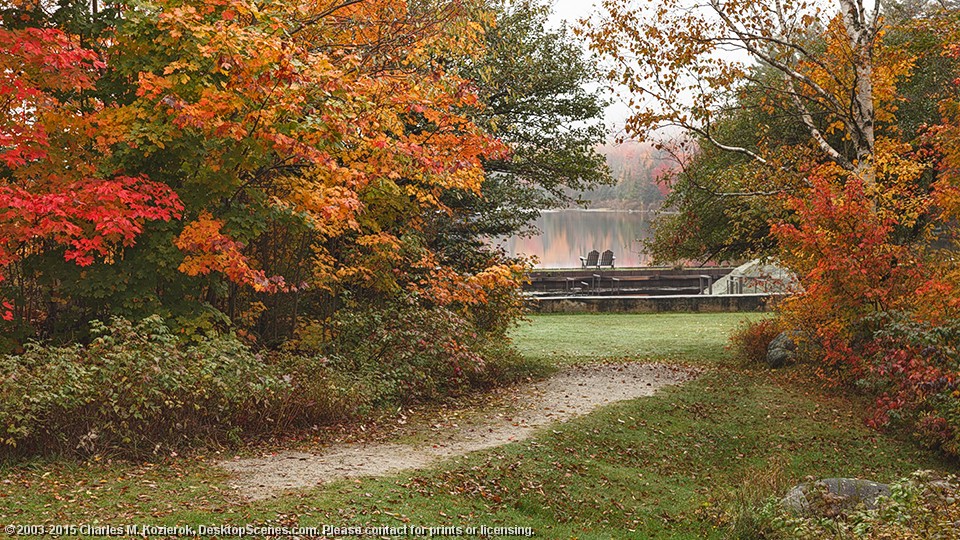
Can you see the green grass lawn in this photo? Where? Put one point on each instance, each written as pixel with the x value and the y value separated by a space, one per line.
pixel 680 464
pixel 685 337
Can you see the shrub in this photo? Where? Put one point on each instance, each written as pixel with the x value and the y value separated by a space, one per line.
pixel 851 264
pixel 913 367
pixel 319 394
pixel 405 352
pixel 750 340
pixel 880 306
pixel 134 389
pixel 139 388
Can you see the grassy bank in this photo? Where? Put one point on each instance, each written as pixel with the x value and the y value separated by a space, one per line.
pixel 682 464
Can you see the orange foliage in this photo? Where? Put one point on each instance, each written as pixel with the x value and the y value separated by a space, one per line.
pixel 209 250
pixel 337 127
pixel 848 265
pixel 320 105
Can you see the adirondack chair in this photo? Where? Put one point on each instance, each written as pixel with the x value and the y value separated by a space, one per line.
pixel 590 261
pixel 606 259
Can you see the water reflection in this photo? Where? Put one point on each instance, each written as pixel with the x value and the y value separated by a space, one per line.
pixel 567 235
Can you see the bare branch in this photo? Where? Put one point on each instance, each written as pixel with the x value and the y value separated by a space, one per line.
pixel 322 15
pixel 730 194
pixel 748 43
pixel 831 152
pixel 875 20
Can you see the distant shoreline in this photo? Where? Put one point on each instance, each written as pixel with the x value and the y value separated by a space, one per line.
pixel 577 209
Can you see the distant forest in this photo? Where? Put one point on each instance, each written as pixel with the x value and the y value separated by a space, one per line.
pixel 639 171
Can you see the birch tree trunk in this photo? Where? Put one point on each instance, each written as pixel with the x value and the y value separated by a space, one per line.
pixel 862 33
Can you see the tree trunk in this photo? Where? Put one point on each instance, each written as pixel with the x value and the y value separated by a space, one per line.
pixel 861 34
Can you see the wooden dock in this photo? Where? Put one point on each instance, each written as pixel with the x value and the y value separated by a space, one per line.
pixel 698 303
pixel 649 281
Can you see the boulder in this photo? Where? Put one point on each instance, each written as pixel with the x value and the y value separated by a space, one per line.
pixel 781 350
pixel 783 341
pixel 777 358
pixel 831 497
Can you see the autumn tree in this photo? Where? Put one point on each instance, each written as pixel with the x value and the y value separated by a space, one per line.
pixel 781 88
pixel 60 192
pixel 684 66
pixel 308 145
pixel 716 189
pixel 805 97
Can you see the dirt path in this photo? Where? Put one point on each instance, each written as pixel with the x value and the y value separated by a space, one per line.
pixel 571 393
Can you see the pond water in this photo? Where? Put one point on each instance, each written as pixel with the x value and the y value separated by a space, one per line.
pixel 567 235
